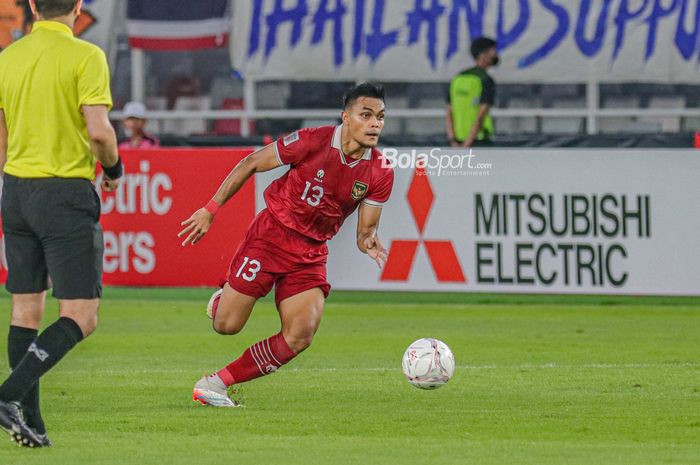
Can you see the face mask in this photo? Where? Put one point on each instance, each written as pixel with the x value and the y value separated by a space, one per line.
pixel 128 132
pixel 496 60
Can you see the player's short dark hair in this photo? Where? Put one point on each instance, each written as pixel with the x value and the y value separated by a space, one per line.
pixel 366 89
pixel 53 8
pixel 481 45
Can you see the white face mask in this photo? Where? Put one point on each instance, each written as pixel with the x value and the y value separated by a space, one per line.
pixel 128 132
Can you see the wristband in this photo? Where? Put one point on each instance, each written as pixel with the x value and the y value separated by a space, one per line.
pixel 212 207
pixel 116 171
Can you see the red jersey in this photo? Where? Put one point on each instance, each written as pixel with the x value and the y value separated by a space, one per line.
pixel 322 186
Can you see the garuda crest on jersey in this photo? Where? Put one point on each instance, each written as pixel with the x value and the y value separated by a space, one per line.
pixel 359 189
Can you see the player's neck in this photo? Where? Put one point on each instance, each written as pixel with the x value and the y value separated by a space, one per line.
pixel 351 148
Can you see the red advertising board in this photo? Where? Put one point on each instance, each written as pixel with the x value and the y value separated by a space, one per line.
pixel 141 220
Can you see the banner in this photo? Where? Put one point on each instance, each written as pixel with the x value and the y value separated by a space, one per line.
pixel 96 23
pixel 533 221
pixel 428 40
pixel 161 189
pixel 141 220
pixel 178 24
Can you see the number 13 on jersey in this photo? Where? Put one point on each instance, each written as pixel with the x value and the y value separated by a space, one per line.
pixel 250 272
pixel 312 194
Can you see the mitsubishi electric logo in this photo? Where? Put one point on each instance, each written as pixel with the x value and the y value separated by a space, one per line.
pixel 40 354
pixel 441 253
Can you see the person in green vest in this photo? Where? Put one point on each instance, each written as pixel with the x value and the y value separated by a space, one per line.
pixel 471 96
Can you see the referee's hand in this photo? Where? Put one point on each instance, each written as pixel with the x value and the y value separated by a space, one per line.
pixel 109 185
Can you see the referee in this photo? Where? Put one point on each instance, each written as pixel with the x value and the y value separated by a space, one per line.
pixel 54 99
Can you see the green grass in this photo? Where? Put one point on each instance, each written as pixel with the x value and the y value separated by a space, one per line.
pixel 539 380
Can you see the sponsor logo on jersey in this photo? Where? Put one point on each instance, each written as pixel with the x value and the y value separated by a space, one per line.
pixel 359 189
pixel 291 138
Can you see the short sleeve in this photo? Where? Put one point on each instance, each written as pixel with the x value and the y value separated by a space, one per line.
pixel 381 190
pixel 294 147
pixel 488 92
pixel 93 80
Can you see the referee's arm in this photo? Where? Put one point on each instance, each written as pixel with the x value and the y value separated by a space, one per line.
pixel 3 141
pixel 103 140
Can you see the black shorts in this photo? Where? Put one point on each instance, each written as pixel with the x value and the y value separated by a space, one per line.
pixel 52 232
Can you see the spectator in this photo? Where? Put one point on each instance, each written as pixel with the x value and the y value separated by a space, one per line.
pixel 134 124
pixel 471 96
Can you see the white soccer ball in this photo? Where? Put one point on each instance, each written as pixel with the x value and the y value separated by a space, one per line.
pixel 428 363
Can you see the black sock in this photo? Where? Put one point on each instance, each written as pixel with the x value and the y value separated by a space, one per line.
pixel 18 341
pixel 45 352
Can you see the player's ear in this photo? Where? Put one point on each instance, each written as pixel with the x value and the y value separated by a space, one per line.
pixel 78 7
pixel 344 116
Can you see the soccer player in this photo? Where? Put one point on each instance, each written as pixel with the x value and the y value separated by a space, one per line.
pixel 54 99
pixel 332 172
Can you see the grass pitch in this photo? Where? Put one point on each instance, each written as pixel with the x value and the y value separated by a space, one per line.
pixel 539 380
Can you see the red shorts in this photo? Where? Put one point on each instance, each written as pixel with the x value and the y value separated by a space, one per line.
pixel 274 255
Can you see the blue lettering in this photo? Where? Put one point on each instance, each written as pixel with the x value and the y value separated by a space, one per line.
pixel 254 39
pixel 322 15
pixel 506 38
pixel 475 21
pixel 686 42
pixel 623 15
pixel 421 15
pixel 657 13
pixel 593 46
pixel 280 16
pixel 379 41
pixel 358 41
pixel 554 40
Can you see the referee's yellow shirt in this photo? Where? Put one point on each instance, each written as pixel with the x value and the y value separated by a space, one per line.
pixel 45 79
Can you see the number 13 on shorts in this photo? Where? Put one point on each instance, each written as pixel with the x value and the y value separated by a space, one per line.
pixel 249 269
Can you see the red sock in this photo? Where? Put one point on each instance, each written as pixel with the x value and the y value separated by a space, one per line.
pixel 260 359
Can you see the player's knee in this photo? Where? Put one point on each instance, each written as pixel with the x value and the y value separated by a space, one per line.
pixel 228 328
pixel 299 343
pixel 88 326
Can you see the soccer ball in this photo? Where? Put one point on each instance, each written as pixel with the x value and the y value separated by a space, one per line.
pixel 428 363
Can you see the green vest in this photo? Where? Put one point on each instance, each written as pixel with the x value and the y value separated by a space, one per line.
pixel 465 99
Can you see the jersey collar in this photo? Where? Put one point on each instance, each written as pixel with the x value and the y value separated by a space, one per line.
pixel 336 143
pixel 54 26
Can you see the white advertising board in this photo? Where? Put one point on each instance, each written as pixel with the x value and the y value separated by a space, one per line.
pixel 596 221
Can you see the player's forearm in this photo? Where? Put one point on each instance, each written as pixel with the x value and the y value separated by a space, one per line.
pixel 259 161
pixel 362 237
pixel 234 181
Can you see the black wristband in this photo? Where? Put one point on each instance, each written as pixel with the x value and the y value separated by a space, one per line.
pixel 114 172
